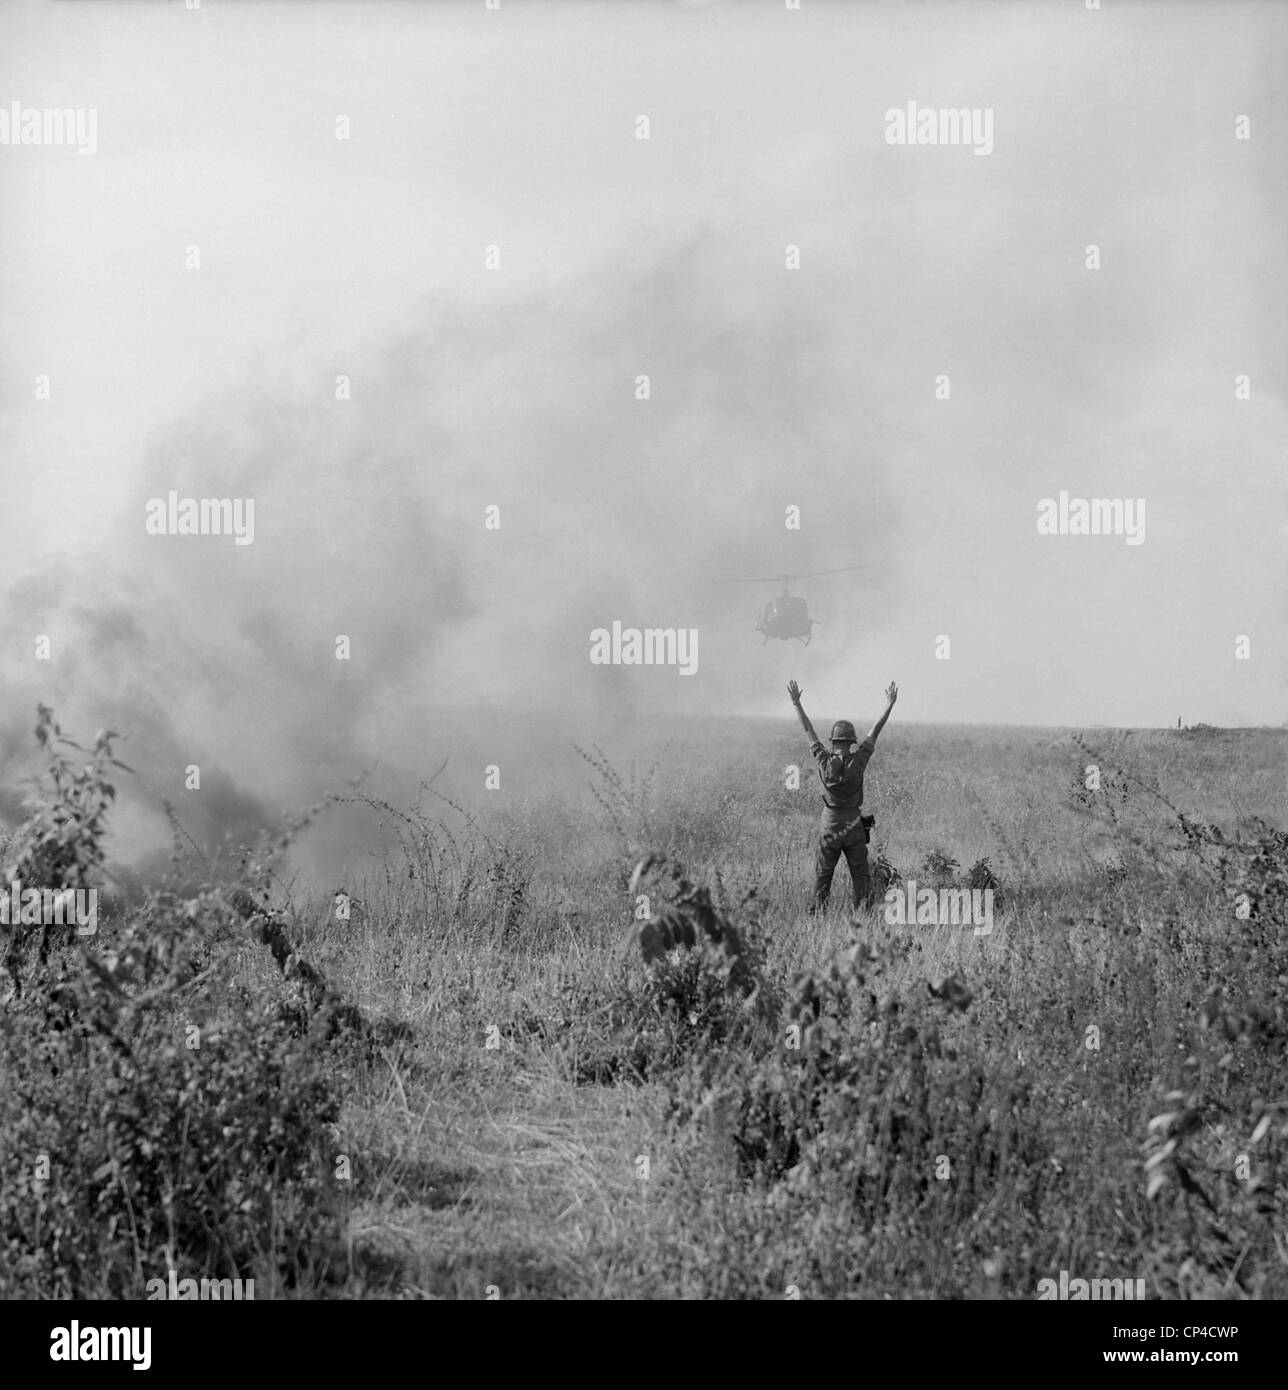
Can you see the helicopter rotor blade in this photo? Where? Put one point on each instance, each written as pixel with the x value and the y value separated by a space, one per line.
pixel 789 578
pixel 843 569
pixel 757 579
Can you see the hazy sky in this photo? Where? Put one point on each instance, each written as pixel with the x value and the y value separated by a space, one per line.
pixel 516 386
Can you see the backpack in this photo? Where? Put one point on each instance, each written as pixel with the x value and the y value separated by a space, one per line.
pixel 834 774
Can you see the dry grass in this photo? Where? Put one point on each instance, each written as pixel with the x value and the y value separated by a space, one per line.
pixel 564 1122
pixel 555 1208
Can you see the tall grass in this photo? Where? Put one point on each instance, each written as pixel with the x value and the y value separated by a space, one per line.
pixel 720 1098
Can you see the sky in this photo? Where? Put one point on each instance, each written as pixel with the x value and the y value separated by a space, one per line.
pixel 939 359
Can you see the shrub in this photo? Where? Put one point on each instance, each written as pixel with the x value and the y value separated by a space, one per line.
pixel 155 1115
pixel 983 877
pixel 60 844
pixel 884 875
pixel 155 1118
pixel 703 986
pixel 938 868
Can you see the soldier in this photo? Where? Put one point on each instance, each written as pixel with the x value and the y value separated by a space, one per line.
pixel 843 828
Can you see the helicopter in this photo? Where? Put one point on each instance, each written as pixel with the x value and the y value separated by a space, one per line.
pixel 786 615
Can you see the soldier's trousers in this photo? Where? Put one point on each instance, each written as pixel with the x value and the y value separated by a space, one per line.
pixel 834 841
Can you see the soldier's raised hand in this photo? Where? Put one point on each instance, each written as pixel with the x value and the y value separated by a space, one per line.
pixel 892 692
pixel 794 691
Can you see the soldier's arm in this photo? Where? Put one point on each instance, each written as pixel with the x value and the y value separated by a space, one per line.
pixel 892 694
pixel 794 691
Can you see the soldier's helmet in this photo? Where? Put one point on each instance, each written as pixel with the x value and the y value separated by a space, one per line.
pixel 843 732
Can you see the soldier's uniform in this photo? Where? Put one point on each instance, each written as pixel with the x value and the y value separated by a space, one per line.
pixel 841 830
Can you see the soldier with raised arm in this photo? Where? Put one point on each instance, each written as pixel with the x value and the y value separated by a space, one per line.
pixel 843 829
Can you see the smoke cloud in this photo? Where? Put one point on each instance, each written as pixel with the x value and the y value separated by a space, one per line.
pixel 522 388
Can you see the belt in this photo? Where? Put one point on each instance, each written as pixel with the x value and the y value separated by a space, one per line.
pixel 839 832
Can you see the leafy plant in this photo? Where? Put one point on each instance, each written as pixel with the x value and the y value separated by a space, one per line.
pixel 884 875
pixel 938 867
pixel 157 1114
pixel 61 842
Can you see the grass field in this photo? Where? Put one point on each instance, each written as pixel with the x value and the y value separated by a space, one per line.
pixel 525 1108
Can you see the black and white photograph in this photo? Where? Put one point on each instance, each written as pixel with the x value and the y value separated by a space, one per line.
pixel 643 660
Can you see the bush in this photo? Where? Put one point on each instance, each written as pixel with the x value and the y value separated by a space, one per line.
pixel 154 1115
pixel 155 1118
pixel 982 877
pixel 884 875
pixel 60 844
pixel 704 985
pixel 938 868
